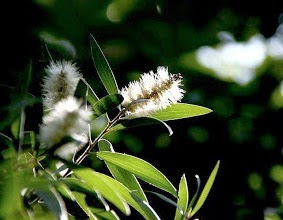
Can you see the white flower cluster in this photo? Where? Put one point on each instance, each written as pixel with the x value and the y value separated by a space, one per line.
pixel 154 91
pixel 238 61
pixel 67 116
pixel 61 81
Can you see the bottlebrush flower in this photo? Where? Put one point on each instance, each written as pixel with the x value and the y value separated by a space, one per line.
pixel 68 119
pixel 68 150
pixel 61 81
pixel 153 91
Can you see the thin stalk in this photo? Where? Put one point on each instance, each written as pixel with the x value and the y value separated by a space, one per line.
pixel 92 144
pixel 97 139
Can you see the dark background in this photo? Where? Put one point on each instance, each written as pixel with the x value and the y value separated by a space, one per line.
pixel 244 131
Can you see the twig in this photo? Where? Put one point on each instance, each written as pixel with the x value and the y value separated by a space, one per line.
pixel 92 144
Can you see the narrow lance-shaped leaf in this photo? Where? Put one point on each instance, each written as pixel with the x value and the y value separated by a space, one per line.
pixel 140 169
pixel 183 198
pixel 123 176
pixel 78 185
pixel 173 112
pixel 142 207
pixel 179 111
pixel 92 179
pixel 206 189
pixel 107 104
pixel 109 215
pixel 77 197
pixel 145 206
pixel 84 90
pixel 54 202
pixel 137 122
pixel 166 199
pixel 191 204
pixel 103 69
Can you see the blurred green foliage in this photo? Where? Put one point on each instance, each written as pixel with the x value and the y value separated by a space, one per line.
pixel 245 130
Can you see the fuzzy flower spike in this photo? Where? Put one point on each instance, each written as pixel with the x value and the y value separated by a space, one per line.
pixel 152 92
pixel 68 119
pixel 61 81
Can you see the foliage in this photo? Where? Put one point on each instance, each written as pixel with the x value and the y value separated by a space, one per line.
pixel 37 183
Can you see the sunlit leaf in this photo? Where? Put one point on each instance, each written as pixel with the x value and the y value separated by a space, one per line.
pixel 179 111
pixel 107 104
pixel 183 198
pixel 151 214
pixel 93 180
pixel 10 188
pixel 206 189
pixel 145 210
pixel 123 176
pixel 103 69
pixel 142 207
pixel 140 169
pixel 109 215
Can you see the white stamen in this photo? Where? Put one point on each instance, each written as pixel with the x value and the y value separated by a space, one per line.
pixel 61 81
pixel 68 118
pixel 153 92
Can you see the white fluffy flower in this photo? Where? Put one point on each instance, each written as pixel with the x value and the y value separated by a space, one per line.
pixel 68 118
pixel 68 150
pixel 154 91
pixel 236 61
pixel 61 81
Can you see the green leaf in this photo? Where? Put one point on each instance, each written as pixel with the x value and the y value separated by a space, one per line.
pixel 183 198
pixel 11 200
pixel 146 207
pixel 107 104
pixel 123 176
pixel 142 206
pixel 54 202
pixel 15 128
pixel 29 138
pixel 93 180
pixel 145 210
pixel 189 209
pixel 79 198
pixel 107 215
pixel 84 90
pixel 92 213
pixel 166 199
pixel 132 123
pixel 206 189
pixel 179 111
pixel 137 122
pixel 103 69
pixel 140 169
